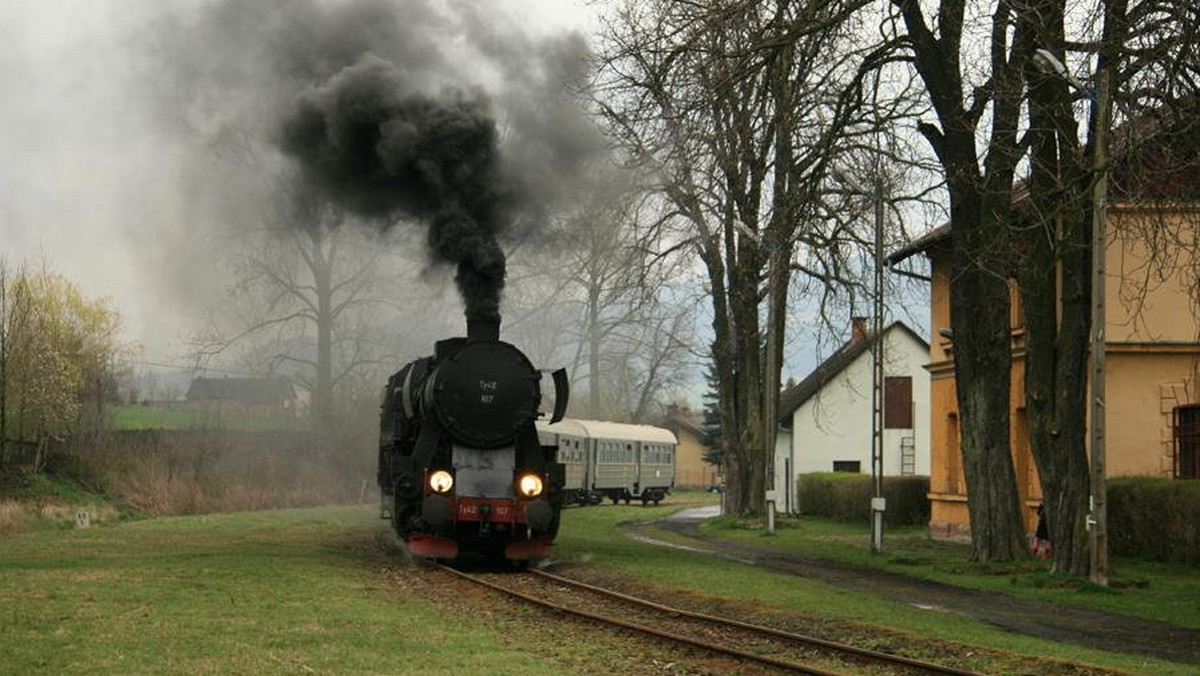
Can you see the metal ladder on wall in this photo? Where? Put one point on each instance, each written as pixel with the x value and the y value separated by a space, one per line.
pixel 908 455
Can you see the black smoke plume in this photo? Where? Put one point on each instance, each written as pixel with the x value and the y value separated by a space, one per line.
pixel 371 142
pixel 391 110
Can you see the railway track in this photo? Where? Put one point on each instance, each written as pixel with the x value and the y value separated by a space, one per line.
pixel 711 624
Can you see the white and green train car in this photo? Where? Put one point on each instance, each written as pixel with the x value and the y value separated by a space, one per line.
pixel 574 452
pixel 614 460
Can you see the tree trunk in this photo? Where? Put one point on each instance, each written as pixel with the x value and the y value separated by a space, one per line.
pixel 982 367
pixel 1055 282
pixel 593 338
pixel 750 497
pixel 980 211
pixel 322 281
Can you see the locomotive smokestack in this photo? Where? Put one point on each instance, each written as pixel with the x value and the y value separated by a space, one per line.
pixel 483 328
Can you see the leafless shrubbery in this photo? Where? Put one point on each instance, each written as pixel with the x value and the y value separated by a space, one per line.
pixel 189 472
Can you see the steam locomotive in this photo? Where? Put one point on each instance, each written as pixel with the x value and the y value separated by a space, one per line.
pixel 461 467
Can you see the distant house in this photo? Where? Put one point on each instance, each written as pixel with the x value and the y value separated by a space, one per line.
pixel 826 418
pixel 691 469
pixel 269 396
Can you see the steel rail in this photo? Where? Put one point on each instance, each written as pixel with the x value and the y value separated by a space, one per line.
pixel 704 645
pixel 770 631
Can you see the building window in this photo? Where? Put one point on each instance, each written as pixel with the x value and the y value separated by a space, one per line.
pixel 1187 441
pixel 897 403
pixel 854 466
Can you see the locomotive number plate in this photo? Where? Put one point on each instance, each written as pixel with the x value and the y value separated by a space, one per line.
pixel 501 511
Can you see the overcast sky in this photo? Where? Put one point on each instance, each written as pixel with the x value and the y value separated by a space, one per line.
pixel 88 180
pixel 91 181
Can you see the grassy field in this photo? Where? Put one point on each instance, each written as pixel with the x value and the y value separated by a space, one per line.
pixel 246 593
pixel 593 536
pixel 300 591
pixel 1169 593
pixel 132 417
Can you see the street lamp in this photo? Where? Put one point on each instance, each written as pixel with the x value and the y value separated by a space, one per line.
pixel 1100 97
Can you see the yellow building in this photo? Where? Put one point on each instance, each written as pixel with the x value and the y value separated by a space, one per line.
pixel 691 469
pixel 1151 329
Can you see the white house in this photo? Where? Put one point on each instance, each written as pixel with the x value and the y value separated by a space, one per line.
pixel 827 416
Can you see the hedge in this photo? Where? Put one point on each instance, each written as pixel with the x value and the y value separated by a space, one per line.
pixel 1155 519
pixel 843 496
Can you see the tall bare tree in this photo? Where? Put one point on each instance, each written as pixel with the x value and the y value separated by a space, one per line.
pixel 1023 114
pixel 1146 51
pixel 295 302
pixel 607 296
pixel 740 109
pixel 979 185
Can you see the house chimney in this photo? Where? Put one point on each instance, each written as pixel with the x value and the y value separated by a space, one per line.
pixel 858 329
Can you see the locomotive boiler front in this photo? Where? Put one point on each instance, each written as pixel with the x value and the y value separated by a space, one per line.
pixel 486 392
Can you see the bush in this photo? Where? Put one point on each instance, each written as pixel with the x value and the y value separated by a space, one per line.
pixel 847 497
pixel 160 472
pixel 1155 519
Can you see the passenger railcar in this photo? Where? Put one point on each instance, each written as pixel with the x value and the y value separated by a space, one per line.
pixel 614 460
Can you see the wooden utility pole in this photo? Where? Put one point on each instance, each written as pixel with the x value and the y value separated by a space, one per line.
pixel 1099 502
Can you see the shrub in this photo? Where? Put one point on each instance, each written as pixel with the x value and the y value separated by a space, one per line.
pixel 160 472
pixel 847 497
pixel 1155 519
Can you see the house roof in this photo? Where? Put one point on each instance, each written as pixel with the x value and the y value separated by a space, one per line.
pixel 920 244
pixel 1154 157
pixel 242 390
pixel 794 397
pixel 684 419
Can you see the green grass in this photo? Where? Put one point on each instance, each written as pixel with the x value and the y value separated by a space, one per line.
pixel 595 536
pixel 132 417
pixel 246 593
pixel 1164 592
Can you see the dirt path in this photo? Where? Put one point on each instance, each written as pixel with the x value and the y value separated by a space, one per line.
pixel 1091 628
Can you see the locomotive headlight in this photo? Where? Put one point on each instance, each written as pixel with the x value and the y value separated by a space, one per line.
pixel 530 485
pixel 441 481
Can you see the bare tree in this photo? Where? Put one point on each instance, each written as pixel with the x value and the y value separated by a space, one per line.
pixel 296 298
pixel 1146 53
pixel 979 187
pixel 605 299
pixel 740 109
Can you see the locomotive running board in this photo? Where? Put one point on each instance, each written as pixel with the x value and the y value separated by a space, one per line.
pixel 430 547
pixel 530 549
